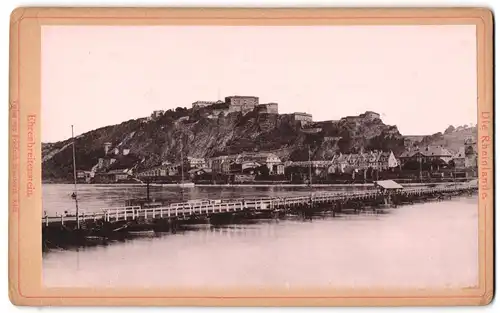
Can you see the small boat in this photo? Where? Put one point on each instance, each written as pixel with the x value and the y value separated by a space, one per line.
pixel 142 233
pixel 95 239
pixel 382 210
pixel 121 228
pixel 182 183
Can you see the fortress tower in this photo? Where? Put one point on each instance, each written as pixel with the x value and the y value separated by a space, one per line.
pixel 107 146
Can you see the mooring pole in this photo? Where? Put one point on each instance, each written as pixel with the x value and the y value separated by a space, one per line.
pixel 310 165
pixel 74 176
pixel 420 168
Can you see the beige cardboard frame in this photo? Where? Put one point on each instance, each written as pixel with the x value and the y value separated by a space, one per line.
pixel 25 255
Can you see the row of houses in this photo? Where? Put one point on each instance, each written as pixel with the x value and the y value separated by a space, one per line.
pixel 438 156
pixel 347 163
pixel 246 161
pixel 269 164
pixel 238 163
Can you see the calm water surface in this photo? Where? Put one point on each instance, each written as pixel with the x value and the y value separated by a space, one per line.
pixel 423 245
pixel 57 197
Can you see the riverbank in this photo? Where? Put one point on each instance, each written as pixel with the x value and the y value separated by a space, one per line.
pixel 322 185
pixel 261 185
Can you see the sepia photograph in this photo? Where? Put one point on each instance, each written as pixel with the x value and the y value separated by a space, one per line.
pixel 259 156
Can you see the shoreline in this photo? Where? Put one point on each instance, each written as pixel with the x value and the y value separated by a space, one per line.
pixel 253 185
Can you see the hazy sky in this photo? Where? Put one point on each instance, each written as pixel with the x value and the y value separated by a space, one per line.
pixel 420 78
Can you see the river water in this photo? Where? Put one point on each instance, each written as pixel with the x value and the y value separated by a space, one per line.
pixel 93 198
pixel 424 245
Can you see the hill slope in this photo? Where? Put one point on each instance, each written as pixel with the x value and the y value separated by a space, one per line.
pixel 452 138
pixel 200 135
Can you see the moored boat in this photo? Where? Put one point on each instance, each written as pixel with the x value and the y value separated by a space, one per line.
pixel 142 233
pixel 95 239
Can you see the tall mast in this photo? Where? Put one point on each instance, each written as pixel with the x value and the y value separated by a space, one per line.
pixel 182 172
pixel 420 168
pixel 310 165
pixel 74 177
pixel 182 164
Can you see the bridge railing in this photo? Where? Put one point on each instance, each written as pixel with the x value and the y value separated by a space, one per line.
pixel 227 205
pixel 64 218
pixel 121 213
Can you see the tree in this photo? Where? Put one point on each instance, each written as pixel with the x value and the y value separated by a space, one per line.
pixel 449 130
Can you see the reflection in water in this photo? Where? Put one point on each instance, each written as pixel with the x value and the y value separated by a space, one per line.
pixel 424 245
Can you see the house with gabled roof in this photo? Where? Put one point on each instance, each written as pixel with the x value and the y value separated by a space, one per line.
pixel 386 160
pixel 429 156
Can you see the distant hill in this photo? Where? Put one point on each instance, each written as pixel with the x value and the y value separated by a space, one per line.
pixel 199 134
pixel 452 138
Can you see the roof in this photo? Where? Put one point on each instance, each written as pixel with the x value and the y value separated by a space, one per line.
pixel 428 151
pixel 118 171
pixel 352 117
pixel 436 151
pixel 357 158
pixel 317 163
pixel 240 97
pixel 250 163
pixel 196 159
pixel 257 155
pixel 388 184
pixel 205 102
pixel 407 154
pixel 473 182
pixel 196 170
pixel 245 156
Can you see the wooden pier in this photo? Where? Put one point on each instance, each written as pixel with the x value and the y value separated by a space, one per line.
pixel 110 222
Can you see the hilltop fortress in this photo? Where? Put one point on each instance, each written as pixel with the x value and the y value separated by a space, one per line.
pixel 242 104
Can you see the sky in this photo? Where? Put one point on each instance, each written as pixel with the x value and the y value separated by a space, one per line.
pixel 419 78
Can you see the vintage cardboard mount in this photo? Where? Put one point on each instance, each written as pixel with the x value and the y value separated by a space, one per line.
pixel 25 273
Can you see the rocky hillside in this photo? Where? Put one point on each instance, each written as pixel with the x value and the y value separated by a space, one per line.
pixel 201 134
pixel 452 138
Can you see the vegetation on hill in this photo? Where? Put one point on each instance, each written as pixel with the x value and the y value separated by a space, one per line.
pixel 199 134
pixel 452 138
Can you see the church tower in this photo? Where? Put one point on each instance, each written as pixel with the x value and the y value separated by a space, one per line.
pixel 470 152
pixel 470 145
